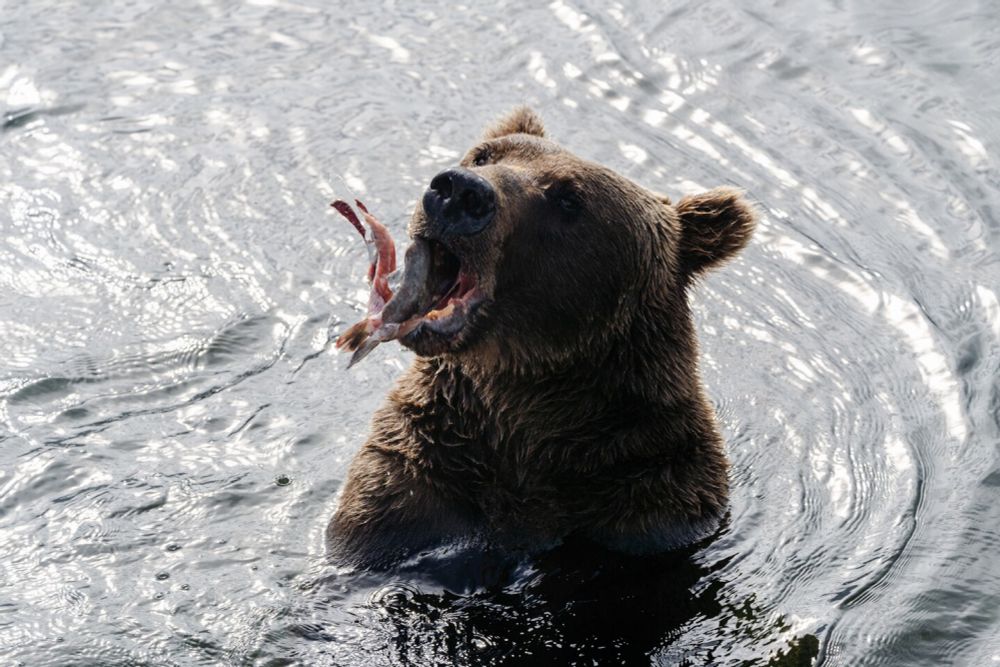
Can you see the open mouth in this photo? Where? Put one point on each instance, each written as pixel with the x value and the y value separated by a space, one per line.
pixel 453 288
pixel 435 298
pixel 426 306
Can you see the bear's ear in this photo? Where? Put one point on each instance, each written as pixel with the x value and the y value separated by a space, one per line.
pixel 520 120
pixel 715 225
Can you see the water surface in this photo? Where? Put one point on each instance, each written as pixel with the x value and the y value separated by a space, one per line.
pixel 174 424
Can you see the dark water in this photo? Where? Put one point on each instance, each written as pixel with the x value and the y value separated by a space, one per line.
pixel 174 425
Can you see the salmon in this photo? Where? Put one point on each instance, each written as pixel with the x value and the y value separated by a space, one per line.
pixel 390 316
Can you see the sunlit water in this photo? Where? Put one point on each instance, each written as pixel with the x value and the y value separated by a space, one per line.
pixel 174 424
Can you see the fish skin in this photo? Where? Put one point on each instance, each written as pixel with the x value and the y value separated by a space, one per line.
pixel 365 335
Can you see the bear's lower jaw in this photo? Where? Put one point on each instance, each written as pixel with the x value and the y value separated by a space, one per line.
pixel 448 329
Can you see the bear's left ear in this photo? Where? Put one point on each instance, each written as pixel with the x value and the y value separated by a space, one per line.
pixel 520 120
pixel 715 225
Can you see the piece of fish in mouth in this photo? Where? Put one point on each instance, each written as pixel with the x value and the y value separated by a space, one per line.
pixel 413 294
pixel 400 315
pixel 397 304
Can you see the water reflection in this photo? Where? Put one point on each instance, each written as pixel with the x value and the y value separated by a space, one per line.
pixel 576 605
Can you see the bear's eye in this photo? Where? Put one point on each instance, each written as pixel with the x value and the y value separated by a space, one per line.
pixel 482 157
pixel 570 204
pixel 567 200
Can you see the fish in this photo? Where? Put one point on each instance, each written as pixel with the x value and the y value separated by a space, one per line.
pixel 390 314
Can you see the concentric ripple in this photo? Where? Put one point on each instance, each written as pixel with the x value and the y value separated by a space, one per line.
pixel 174 427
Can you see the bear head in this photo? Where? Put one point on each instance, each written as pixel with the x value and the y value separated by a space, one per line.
pixel 537 256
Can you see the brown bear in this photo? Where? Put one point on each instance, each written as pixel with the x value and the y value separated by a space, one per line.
pixel 555 391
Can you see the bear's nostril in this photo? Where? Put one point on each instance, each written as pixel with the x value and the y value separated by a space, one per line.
pixel 442 185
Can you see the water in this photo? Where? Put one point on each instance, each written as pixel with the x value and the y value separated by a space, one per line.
pixel 174 424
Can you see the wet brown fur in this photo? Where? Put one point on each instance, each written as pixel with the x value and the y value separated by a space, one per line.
pixel 573 403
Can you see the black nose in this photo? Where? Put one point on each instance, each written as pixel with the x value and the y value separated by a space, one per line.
pixel 460 201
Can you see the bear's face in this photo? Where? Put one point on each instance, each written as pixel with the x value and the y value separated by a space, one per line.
pixel 539 255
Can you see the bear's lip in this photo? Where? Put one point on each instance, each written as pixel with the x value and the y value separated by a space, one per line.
pixel 436 296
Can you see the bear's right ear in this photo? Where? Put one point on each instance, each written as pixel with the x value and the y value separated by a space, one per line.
pixel 520 120
pixel 715 225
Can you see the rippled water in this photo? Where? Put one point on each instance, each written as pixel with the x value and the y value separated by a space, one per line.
pixel 174 425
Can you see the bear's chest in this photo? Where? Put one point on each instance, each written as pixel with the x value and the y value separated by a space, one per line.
pixel 522 489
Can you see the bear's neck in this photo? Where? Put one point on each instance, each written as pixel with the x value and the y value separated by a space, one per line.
pixel 645 383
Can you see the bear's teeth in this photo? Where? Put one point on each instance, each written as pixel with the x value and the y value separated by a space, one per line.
pixel 441 312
